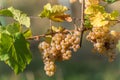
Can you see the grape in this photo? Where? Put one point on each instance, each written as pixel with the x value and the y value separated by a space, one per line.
pixel 60 48
pixel 49 68
pixel 104 41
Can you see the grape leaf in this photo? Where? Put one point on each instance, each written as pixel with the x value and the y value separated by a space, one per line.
pixel 55 13
pixel 59 17
pixel 20 17
pixel 111 16
pixel 110 1
pixel 47 11
pixel 93 2
pixel 28 33
pixel 13 28
pixel 5 40
pixel 48 39
pixel 57 29
pixel 98 16
pixel 6 12
pixel 93 9
pixel 87 22
pixel 98 20
pixel 2 29
pixel 15 51
pixel 59 9
pixel 114 15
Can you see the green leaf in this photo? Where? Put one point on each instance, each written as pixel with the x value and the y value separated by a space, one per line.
pixel 15 51
pixel 28 33
pixel 6 12
pixel 22 18
pixel 87 22
pixel 13 28
pixel 48 7
pixel 114 15
pixel 110 1
pixel 46 11
pixel 5 40
pixel 2 29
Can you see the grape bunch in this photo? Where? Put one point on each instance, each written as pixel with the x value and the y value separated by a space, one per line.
pixel 104 41
pixel 59 49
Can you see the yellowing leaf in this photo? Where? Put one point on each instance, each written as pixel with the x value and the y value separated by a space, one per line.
pixel 55 13
pixel 48 7
pixel 93 9
pixel 94 1
pixel 57 29
pixel 59 17
pixel 59 9
pixel 98 20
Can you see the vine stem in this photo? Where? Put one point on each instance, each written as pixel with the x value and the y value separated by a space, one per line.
pixel 82 29
pixel 37 37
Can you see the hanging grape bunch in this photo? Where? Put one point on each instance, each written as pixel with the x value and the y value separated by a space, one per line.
pixel 58 43
pixel 104 40
pixel 60 48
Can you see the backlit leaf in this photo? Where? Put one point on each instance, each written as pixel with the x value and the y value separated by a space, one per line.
pixel 20 17
pixel 15 51
pixel 114 15
pixel 13 28
pixel 94 2
pixel 28 33
pixel 98 20
pixel 93 9
pixel 55 13
pixel 57 29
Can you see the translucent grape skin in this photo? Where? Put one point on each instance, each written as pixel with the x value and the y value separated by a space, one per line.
pixel 60 49
pixel 104 41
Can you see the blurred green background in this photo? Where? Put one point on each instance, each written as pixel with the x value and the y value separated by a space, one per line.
pixel 84 65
